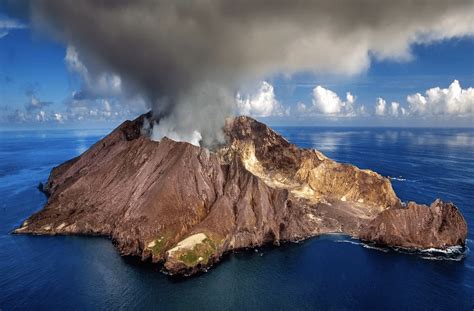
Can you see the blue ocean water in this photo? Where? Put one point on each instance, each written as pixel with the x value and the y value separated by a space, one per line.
pixel 329 273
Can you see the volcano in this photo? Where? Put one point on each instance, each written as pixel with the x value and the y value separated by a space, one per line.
pixel 185 206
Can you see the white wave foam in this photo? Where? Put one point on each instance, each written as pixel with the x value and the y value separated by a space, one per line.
pixel 454 253
pixel 350 242
pixel 450 250
pixel 385 250
pixel 442 258
pixel 364 245
pixel 397 178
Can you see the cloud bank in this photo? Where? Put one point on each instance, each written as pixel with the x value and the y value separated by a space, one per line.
pixel 188 59
pixel 448 103
pixel 74 109
pixel 453 101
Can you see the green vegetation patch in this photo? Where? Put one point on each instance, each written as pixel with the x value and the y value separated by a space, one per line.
pixel 199 254
pixel 157 245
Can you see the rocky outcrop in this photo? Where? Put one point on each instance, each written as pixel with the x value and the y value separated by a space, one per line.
pixel 440 225
pixel 185 206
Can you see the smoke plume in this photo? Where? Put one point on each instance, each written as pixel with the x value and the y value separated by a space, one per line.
pixel 189 58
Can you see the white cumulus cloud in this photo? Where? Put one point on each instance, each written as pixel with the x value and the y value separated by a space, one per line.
pixel 380 106
pixel 58 117
pixel 327 102
pixel 382 109
pixel 394 109
pixel 451 101
pixel 261 104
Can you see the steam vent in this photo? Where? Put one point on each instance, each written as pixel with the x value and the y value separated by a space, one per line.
pixel 186 206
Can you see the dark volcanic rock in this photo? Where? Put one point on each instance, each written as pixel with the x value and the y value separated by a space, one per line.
pixel 418 226
pixel 185 205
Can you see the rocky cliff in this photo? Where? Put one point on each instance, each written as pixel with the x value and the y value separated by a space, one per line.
pixel 185 206
pixel 418 226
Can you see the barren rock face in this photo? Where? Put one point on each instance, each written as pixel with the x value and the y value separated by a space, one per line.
pixel 306 173
pixel 185 205
pixel 418 226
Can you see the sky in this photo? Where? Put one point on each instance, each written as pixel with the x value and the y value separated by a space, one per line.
pixel 46 81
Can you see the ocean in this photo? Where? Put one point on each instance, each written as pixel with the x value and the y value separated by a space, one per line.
pixel 331 272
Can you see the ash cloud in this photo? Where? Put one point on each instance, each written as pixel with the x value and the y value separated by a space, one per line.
pixel 188 59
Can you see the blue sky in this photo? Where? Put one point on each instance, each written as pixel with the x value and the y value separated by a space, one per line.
pixel 33 67
pixel 29 61
pixel 436 64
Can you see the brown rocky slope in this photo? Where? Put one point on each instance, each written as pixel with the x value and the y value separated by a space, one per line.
pixel 185 205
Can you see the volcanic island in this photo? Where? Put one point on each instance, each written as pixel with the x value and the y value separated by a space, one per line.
pixel 186 206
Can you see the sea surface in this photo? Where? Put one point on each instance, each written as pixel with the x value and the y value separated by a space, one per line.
pixel 331 272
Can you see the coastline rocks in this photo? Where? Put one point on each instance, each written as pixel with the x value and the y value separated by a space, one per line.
pixel 440 225
pixel 186 206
